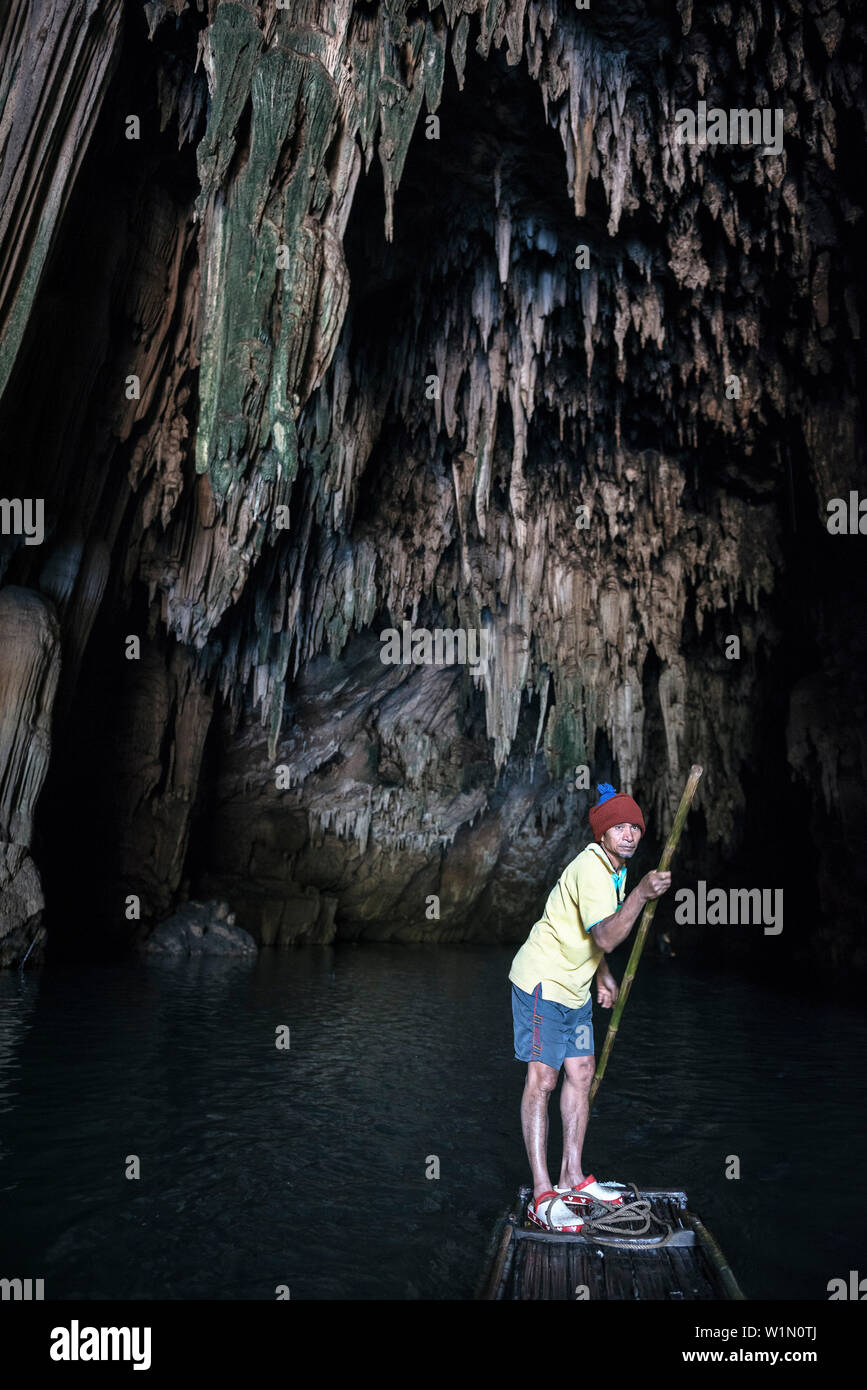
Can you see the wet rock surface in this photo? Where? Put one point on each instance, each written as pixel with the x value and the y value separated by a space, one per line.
pixel 29 672
pixel 200 929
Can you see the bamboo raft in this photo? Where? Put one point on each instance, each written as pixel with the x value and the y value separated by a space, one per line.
pixel 528 1264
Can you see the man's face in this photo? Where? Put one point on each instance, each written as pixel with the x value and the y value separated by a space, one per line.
pixel 622 839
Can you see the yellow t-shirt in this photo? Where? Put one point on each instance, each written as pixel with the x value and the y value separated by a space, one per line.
pixel 560 951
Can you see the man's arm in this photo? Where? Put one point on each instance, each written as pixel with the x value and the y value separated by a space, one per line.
pixel 612 930
pixel 607 988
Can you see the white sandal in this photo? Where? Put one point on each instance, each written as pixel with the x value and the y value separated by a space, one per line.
pixel 550 1219
pixel 591 1191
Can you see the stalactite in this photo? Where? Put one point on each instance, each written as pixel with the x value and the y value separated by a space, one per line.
pixel 294 488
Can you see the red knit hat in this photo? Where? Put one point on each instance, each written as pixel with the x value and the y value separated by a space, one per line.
pixel 612 808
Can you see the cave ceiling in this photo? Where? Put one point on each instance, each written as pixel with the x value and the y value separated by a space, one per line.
pixel 430 317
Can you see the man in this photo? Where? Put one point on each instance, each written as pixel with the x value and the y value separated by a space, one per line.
pixel 586 915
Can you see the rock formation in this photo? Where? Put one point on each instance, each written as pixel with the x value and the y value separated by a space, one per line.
pixel 200 929
pixel 320 318
pixel 29 669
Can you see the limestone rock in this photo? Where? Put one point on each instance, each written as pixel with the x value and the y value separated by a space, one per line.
pixel 200 929
pixel 57 57
pixel 21 907
pixel 29 671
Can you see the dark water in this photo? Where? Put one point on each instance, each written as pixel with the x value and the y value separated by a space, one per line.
pixel 306 1167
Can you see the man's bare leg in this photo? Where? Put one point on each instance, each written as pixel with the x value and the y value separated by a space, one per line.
pixel 574 1112
pixel 541 1080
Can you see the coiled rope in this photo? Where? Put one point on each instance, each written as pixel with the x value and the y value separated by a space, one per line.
pixel 632 1220
pixel 607 1225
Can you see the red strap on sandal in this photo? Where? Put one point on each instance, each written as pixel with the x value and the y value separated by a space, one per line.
pixel 585 1183
pixel 541 1198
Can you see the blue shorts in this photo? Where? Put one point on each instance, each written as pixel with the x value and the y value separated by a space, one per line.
pixel 548 1032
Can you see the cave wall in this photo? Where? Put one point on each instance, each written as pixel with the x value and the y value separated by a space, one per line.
pixel 377 381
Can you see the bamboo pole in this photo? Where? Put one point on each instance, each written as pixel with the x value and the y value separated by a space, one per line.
pixel 716 1257
pixel 494 1277
pixel 692 782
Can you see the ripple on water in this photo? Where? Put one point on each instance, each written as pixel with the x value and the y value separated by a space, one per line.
pixel 307 1167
